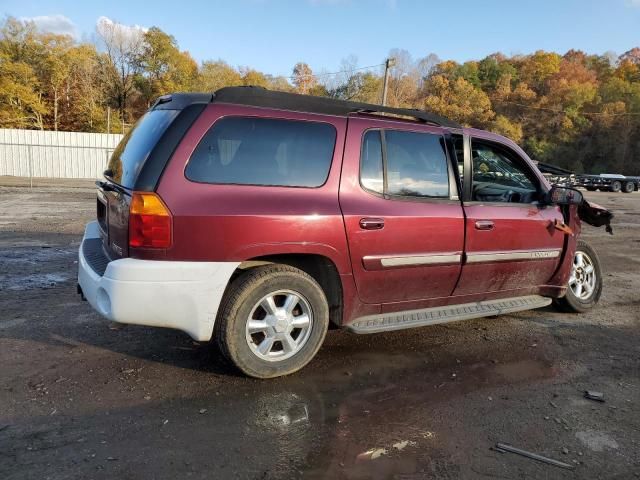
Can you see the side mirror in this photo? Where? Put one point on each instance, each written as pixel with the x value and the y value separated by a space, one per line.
pixel 563 196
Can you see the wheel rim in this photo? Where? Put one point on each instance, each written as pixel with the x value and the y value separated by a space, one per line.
pixel 279 325
pixel 583 276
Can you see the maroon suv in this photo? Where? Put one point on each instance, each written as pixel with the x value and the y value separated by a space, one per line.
pixel 261 218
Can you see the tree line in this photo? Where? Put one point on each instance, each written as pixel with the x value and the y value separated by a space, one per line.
pixel 576 110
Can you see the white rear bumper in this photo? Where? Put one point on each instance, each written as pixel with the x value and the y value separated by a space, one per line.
pixel 180 295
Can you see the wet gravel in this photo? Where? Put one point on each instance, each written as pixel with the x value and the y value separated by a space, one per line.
pixel 83 398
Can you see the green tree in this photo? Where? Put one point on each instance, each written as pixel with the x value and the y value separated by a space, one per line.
pixel 21 105
pixel 163 67
pixel 216 74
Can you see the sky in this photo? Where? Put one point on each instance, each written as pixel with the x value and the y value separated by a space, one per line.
pixel 273 35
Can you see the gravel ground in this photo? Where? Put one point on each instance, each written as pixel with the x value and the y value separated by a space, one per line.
pixel 83 398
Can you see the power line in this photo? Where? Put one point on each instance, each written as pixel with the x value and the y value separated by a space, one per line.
pixel 333 73
pixel 555 110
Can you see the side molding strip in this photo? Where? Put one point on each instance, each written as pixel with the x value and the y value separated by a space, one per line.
pixel 420 260
pixel 507 256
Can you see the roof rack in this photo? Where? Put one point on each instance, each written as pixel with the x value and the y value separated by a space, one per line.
pixel 261 97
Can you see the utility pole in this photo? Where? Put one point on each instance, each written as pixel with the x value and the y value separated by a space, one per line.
pixel 389 62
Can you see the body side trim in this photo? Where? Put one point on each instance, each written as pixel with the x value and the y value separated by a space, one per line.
pixel 375 262
pixel 513 255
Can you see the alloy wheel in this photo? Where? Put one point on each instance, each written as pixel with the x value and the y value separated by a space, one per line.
pixel 279 325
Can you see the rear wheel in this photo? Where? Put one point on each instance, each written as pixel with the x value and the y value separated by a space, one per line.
pixel 273 321
pixel 585 282
pixel 628 187
pixel 616 186
pixel 591 189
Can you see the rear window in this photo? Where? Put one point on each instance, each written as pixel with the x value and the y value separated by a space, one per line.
pixel 261 151
pixel 416 164
pixel 134 149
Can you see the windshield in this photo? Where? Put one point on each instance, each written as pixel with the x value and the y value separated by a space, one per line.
pixel 132 151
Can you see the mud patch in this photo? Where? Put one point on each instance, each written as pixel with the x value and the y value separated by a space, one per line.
pixel 33 255
pixel 597 441
pixel 30 282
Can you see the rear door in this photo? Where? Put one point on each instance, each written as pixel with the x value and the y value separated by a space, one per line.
pixel 402 215
pixel 511 242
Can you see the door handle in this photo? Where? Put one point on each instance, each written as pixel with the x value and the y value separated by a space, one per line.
pixel 372 223
pixel 484 225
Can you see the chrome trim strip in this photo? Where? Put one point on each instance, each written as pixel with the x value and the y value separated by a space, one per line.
pixel 420 260
pixel 516 255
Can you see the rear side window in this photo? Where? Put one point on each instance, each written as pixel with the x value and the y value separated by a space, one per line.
pixel 134 149
pixel 404 164
pixel 262 151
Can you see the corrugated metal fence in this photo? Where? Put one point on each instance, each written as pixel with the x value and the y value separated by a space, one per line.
pixel 35 153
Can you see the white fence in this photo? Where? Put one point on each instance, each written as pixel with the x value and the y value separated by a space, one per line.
pixel 35 153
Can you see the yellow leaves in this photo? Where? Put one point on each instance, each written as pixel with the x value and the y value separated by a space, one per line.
pixel 539 66
pixel 458 100
pixel 503 126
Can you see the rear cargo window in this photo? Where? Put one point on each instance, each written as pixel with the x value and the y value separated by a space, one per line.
pixel 261 151
pixel 134 149
pixel 416 164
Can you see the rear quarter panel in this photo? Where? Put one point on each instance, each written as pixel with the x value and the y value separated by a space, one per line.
pixel 215 222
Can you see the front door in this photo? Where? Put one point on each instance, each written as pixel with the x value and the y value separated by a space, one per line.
pixel 511 242
pixel 403 219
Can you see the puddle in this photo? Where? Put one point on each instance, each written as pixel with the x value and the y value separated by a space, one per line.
pixel 30 282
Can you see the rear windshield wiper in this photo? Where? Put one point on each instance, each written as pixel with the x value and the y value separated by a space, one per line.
pixel 111 187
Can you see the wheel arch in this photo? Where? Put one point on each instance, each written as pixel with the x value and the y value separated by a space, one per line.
pixel 320 267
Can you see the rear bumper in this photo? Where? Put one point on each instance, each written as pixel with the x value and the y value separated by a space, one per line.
pixel 171 294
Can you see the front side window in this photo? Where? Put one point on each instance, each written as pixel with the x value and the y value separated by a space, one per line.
pixel 264 151
pixel 499 177
pixel 404 164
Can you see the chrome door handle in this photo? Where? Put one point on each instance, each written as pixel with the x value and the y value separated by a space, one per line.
pixel 372 223
pixel 484 225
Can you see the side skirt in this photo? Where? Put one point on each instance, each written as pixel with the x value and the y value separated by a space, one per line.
pixel 451 313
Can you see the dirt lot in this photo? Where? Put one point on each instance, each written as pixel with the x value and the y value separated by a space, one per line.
pixel 83 398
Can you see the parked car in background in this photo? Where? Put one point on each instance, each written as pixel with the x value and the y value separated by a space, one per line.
pixel 261 219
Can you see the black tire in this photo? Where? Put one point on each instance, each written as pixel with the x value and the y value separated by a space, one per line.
pixel 244 294
pixel 628 187
pixel 591 189
pixel 616 186
pixel 571 303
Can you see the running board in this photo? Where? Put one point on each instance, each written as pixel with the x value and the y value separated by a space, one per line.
pixel 451 313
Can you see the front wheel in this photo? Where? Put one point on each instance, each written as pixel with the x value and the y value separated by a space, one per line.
pixel 273 321
pixel 585 282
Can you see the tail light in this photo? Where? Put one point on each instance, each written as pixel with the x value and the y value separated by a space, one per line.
pixel 149 221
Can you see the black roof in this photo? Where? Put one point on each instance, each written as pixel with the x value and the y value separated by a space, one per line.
pixel 261 97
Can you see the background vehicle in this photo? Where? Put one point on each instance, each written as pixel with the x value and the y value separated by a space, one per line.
pixel 604 182
pixel 260 218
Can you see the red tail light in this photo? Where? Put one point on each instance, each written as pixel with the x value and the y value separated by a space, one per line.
pixel 149 221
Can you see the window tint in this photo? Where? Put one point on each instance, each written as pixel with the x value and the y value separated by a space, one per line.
pixel 416 164
pixel 132 151
pixel 498 176
pixel 260 151
pixel 371 175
